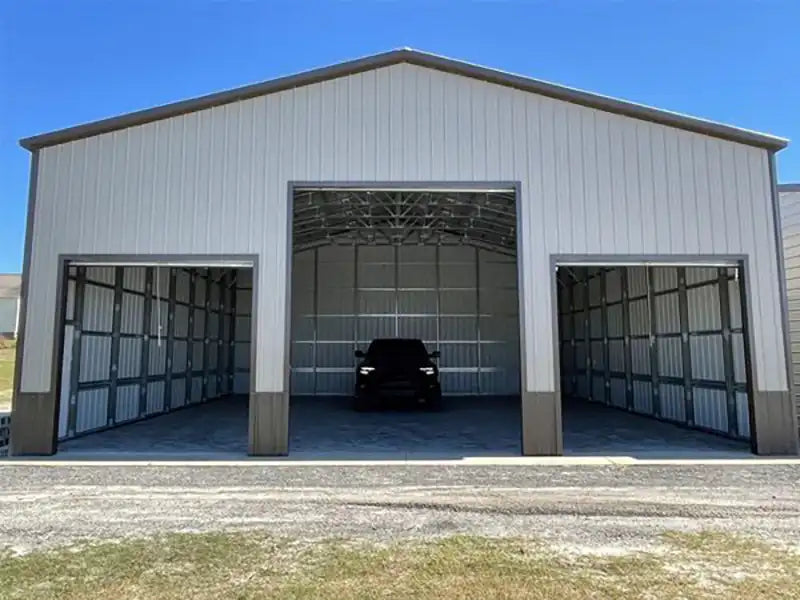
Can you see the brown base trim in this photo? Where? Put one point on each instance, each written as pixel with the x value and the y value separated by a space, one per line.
pixel 268 430
pixel 34 424
pixel 775 424
pixel 541 424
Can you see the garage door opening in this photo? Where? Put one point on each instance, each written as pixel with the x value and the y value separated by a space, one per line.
pixel 435 265
pixel 144 342
pixel 653 359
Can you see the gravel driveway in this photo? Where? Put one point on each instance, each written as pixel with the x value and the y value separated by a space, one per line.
pixel 603 509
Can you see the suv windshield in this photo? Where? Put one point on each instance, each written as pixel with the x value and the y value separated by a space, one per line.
pixel 397 349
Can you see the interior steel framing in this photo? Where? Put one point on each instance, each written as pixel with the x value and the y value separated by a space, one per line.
pixel 194 323
pixel 697 305
pixel 485 219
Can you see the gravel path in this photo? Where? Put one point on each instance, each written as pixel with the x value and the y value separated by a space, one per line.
pixel 606 509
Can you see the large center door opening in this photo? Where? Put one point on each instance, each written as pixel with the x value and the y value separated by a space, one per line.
pixel 435 266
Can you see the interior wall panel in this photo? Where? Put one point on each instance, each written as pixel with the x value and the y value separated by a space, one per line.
pixel 344 297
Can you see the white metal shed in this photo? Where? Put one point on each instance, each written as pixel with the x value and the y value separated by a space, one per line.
pixel 211 184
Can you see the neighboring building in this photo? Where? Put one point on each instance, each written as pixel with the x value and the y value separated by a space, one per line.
pixel 9 305
pixel 790 219
pixel 546 240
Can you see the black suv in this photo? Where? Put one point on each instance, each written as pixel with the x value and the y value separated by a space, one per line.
pixel 397 369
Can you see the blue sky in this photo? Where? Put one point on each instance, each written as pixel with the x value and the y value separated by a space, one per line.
pixel 67 62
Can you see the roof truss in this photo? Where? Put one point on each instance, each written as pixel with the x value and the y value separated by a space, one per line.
pixel 404 217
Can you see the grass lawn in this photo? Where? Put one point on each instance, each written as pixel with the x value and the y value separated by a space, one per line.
pixel 8 350
pixel 253 565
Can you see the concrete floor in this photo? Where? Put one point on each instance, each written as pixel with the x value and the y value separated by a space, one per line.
pixel 467 427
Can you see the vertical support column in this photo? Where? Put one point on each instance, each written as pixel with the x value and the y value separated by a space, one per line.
pixel 655 385
pixel 190 339
pixel 170 353
pixel 569 285
pixel 221 308
pixel 145 366
pixel 727 351
pixel 206 335
pixel 315 319
pixel 478 311
pixel 606 349
pixel 355 304
pixel 233 281
pixel 438 258
pixel 116 324
pixel 268 412
pixel 587 336
pixel 686 356
pixel 396 258
pixel 542 431
pixel 77 337
pixel 626 333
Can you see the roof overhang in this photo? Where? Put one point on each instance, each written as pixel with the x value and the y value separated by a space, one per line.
pixel 423 59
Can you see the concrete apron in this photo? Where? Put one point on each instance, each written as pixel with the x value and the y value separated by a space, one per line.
pixel 517 461
pixel 467 434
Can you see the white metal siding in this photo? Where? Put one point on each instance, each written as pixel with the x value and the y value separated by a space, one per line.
pixel 790 217
pixel 215 181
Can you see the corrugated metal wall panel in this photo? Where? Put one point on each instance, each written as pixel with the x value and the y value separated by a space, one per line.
pixel 710 409
pixel 672 406
pixel 98 309
pixel 133 279
pixel 153 196
pixel 132 316
pixel 178 392
pixel 155 397
pixel 127 403
pixel 70 307
pixel 743 414
pixel 96 357
pixel 643 397
pixel 92 409
pixel 790 225
pixel 64 393
pixel 617 392
pixel 130 357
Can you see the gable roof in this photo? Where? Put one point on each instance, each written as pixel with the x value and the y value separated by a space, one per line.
pixel 423 59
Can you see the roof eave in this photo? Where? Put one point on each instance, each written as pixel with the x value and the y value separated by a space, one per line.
pixel 423 59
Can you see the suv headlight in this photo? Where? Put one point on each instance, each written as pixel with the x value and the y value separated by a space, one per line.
pixel 366 370
pixel 427 370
